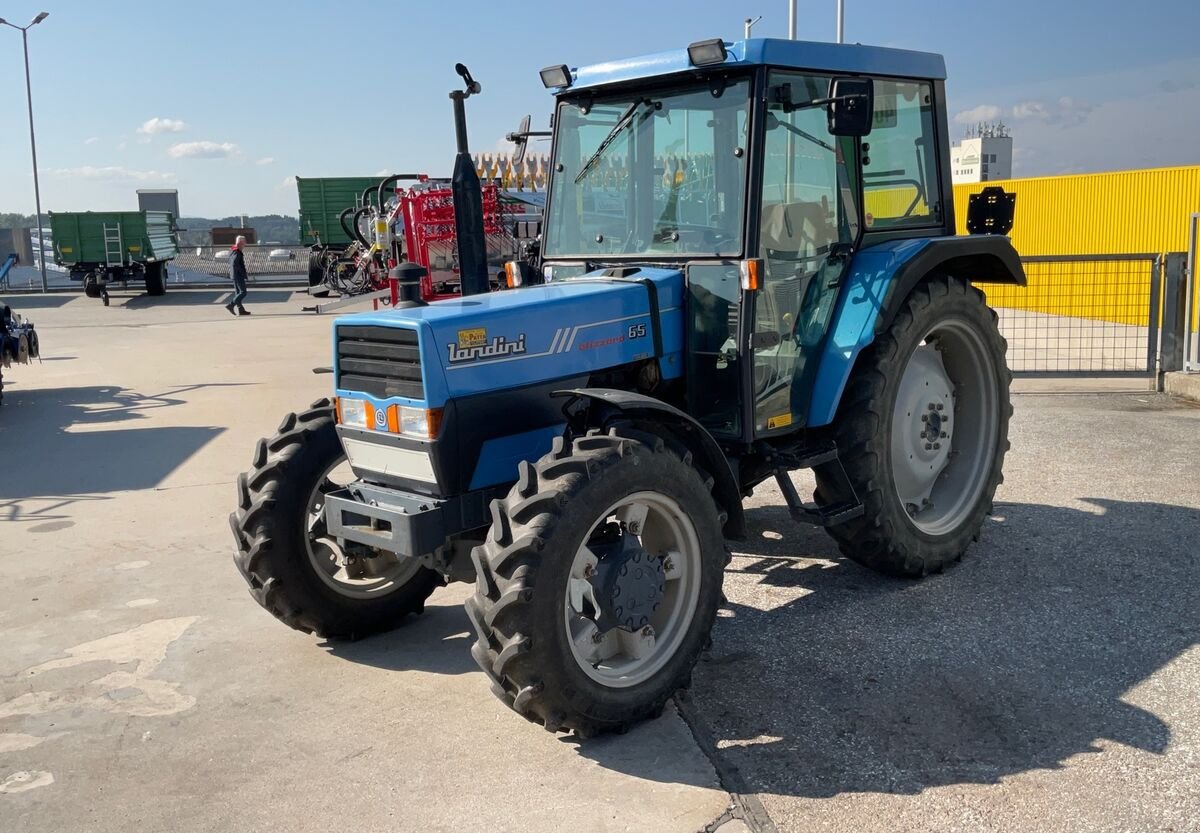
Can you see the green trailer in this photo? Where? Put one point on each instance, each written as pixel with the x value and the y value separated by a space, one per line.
pixel 322 201
pixel 327 206
pixel 101 247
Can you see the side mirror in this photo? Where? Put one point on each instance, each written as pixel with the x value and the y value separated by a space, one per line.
pixel 851 105
pixel 520 139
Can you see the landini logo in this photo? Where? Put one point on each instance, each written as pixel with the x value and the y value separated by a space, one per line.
pixel 474 345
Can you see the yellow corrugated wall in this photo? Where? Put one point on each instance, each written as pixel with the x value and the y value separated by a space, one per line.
pixel 1117 212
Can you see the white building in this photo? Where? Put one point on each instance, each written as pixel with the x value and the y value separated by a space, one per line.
pixel 985 156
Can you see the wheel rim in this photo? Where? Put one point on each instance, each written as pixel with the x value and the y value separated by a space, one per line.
pixel 356 576
pixel 619 657
pixel 945 426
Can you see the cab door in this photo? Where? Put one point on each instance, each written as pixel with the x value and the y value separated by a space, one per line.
pixel 808 219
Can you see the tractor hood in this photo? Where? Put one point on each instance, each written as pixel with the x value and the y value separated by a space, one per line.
pixel 532 335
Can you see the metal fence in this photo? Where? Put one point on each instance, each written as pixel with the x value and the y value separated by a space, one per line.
pixel 261 260
pixel 1082 314
pixel 1191 352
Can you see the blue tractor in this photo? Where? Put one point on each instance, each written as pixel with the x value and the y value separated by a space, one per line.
pixel 748 267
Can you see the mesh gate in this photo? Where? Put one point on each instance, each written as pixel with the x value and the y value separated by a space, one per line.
pixel 1082 314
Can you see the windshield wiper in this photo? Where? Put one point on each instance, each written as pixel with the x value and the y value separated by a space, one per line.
pixel 793 129
pixel 624 121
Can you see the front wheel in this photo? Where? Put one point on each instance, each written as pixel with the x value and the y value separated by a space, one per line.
pixel 598 582
pixel 923 430
pixel 295 570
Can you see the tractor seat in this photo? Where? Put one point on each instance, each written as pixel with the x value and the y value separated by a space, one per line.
pixel 796 230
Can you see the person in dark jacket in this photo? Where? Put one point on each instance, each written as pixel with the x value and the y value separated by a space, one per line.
pixel 237 271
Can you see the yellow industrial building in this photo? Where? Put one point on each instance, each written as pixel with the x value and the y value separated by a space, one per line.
pixel 1111 213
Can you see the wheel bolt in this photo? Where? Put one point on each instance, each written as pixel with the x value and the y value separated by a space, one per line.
pixel 647 631
pixel 932 406
pixel 924 417
pixel 937 446
pixel 597 637
pixel 943 435
pixel 929 446
pixel 940 406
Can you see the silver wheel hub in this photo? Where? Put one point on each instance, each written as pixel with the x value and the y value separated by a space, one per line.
pixel 633 590
pixel 945 426
pixel 922 427
pixel 351 571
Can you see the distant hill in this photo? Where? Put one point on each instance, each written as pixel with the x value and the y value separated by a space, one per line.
pixel 270 228
pixel 194 231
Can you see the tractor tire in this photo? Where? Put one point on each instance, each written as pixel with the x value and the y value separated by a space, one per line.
pixel 281 558
pixel 316 275
pixel 156 284
pixel 91 286
pixel 922 430
pixel 531 637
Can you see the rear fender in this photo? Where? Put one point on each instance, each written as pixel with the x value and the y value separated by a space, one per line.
pixel 651 413
pixel 880 279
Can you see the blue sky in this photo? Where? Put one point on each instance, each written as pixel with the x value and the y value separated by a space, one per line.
pixel 225 100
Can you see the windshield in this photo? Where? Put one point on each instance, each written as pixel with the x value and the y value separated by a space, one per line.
pixel 660 173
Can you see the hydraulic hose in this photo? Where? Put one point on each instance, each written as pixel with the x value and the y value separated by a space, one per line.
pixel 354 225
pixel 346 228
pixel 367 198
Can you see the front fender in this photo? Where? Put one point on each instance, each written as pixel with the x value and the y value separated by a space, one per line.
pixel 878 281
pixel 688 431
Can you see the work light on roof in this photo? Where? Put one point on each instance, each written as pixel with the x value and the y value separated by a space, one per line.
pixel 556 76
pixel 702 53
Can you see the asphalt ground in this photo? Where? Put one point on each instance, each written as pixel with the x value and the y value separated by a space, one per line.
pixel 1049 682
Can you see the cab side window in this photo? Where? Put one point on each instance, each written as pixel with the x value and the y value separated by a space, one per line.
pixel 901 185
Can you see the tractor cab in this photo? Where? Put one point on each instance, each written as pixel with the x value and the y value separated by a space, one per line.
pixel 759 178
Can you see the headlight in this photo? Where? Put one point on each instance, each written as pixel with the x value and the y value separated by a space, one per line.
pixel 353 412
pixel 414 422
pixel 391 419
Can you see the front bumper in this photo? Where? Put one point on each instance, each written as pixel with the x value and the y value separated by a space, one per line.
pixel 403 522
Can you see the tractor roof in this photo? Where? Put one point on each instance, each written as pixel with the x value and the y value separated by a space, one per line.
pixel 821 57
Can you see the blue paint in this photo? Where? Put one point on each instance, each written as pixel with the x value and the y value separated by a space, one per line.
pixel 499 458
pixel 821 57
pixel 853 325
pixel 562 330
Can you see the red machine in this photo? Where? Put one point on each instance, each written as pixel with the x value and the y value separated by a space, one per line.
pixel 430 239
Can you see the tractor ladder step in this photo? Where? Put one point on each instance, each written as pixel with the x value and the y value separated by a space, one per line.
pixel 809 457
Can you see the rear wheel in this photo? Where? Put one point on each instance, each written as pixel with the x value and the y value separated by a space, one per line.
pixel 923 430
pixel 156 279
pixel 91 285
pixel 294 569
pixel 316 275
pixel 598 583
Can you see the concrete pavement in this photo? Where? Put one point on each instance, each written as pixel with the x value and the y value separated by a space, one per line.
pixel 1050 682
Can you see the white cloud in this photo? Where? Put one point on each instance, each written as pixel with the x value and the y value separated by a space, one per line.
pixel 288 182
pixel 984 112
pixel 1066 111
pixel 156 125
pixel 91 140
pixel 266 160
pixel 202 150
pixel 383 172
pixel 110 173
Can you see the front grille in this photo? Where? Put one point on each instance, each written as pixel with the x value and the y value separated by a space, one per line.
pixel 381 361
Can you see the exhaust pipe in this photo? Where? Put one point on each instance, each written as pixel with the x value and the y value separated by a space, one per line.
pixel 468 198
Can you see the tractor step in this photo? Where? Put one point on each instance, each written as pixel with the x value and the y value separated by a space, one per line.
pixel 808 457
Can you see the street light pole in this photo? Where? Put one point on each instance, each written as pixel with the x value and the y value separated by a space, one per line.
pixel 841 21
pixel 37 192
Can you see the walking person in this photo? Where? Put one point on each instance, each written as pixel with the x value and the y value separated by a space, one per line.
pixel 237 271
